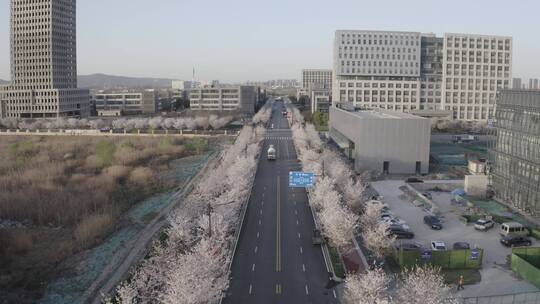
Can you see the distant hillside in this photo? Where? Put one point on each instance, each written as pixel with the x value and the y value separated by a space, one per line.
pixel 102 81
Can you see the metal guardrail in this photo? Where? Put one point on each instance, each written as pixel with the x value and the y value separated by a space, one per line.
pixel 324 246
pixel 517 298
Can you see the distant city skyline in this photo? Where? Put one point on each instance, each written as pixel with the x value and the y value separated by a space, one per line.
pixel 246 40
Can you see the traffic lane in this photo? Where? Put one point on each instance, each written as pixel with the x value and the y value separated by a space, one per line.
pixel 313 265
pixel 253 271
pixel 304 263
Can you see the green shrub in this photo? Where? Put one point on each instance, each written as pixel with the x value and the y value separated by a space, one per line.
pixel 535 233
pixel 165 143
pixel 197 145
pixel 105 152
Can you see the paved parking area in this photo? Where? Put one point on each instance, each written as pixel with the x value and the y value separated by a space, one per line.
pixel 497 278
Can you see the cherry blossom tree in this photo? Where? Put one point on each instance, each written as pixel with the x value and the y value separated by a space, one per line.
pixel 424 285
pixel 379 240
pixel 370 287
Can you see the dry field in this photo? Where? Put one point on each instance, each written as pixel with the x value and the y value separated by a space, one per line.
pixel 62 195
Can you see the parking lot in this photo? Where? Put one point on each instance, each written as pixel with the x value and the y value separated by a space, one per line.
pixel 497 277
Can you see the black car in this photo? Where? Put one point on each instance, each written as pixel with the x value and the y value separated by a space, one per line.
pixel 400 232
pixel 433 222
pixel 413 180
pixel 514 241
pixel 409 247
pixel 461 246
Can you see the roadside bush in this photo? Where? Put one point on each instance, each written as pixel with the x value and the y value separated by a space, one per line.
pixel 142 176
pixel 15 241
pixel 197 145
pixel 105 152
pixel 92 227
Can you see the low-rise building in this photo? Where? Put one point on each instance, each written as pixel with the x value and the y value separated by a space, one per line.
pixel 382 141
pixel 515 154
pixel 321 100
pixel 241 98
pixel 126 103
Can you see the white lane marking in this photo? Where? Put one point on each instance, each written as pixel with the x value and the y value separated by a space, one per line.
pixel 296 212
pixel 261 211
pixel 260 222
pixel 253 267
pixel 297 223
pixel 293 195
pixel 294 203
pixel 334 292
pixel 262 203
pixel 257 235
pixel 307 290
pixel 301 250
pixel 304 267
pixel 299 235
pixel 263 194
pixel 256 249
pixel 250 288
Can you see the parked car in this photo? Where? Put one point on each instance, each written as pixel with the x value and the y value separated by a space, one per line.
pixel 433 222
pixel 515 241
pixel 461 246
pixel 400 232
pixel 413 180
pixel 438 246
pixel 394 221
pixel 484 224
pixel 386 216
pixel 410 247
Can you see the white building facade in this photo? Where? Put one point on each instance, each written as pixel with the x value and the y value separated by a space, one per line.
pixel 126 103
pixel 411 71
pixel 382 141
pixel 241 98
pixel 43 62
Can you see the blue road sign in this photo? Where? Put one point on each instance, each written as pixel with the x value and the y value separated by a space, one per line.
pixel 474 254
pixel 426 255
pixel 301 179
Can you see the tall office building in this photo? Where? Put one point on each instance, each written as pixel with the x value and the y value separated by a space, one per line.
pixel 516 83
pixel 515 154
pixel 533 84
pixel 43 62
pixel 414 72
pixel 316 78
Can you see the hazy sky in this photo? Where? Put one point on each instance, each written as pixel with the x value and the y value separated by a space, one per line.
pixel 237 40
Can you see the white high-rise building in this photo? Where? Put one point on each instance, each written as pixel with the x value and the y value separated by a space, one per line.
pixel 415 72
pixel 43 62
pixel 316 78
pixel 475 68
pixel 376 69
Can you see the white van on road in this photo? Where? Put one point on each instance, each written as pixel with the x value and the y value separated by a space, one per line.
pixel 513 229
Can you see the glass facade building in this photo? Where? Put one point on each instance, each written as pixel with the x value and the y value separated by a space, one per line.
pixel 515 154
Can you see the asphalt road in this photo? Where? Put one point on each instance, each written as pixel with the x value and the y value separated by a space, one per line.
pixel 276 261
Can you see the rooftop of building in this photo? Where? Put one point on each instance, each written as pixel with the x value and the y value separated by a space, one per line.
pixel 380 114
pixel 377 31
pixel 317 70
pixel 520 97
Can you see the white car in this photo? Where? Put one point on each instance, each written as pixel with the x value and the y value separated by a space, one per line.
pixel 483 224
pixel 438 246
